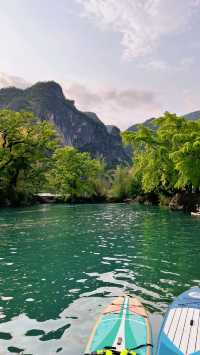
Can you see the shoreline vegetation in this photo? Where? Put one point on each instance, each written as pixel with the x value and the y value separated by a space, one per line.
pixel 165 167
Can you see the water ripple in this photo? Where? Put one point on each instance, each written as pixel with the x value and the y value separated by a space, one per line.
pixel 60 265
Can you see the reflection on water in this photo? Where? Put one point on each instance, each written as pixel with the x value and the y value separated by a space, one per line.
pixel 60 264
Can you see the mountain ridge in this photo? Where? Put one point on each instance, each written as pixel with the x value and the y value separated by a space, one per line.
pixel 82 130
pixel 195 115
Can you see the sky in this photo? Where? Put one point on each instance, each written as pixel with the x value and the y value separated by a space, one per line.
pixel 125 60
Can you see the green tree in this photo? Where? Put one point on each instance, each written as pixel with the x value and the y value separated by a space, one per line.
pixel 186 156
pixel 182 138
pixel 152 165
pixel 168 158
pixel 25 148
pixel 75 174
pixel 124 183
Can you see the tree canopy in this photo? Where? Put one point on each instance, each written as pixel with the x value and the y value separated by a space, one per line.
pixel 167 158
pixel 25 147
pixel 32 160
pixel 75 174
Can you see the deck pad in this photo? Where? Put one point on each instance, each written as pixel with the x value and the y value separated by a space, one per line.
pixel 180 333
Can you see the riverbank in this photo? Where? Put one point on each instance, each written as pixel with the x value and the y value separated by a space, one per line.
pixel 181 201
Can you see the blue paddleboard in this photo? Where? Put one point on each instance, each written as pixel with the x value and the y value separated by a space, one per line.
pixel 180 332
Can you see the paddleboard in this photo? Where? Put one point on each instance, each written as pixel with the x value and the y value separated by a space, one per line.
pixel 122 328
pixel 180 332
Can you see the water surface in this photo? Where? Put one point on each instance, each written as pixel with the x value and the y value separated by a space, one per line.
pixel 60 264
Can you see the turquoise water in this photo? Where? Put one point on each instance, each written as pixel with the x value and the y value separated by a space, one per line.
pixel 60 264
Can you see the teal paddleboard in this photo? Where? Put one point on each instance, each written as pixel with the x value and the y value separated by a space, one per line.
pixel 123 328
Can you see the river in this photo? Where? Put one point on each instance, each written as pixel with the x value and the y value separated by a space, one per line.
pixel 60 264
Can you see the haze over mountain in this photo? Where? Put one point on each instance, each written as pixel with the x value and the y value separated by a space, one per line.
pixel 149 123
pixel 193 115
pixel 84 131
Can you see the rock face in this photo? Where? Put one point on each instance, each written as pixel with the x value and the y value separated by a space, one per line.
pixel 185 201
pixel 82 130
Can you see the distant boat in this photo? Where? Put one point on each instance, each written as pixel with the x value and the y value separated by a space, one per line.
pixel 123 328
pixel 180 332
pixel 197 213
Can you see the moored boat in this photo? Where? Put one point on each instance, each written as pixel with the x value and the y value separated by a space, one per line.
pixel 196 214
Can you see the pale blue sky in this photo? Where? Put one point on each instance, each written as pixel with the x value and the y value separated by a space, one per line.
pixel 126 60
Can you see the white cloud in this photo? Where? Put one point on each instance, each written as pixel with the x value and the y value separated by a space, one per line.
pixel 141 23
pixel 10 80
pixel 191 101
pixel 187 63
pixel 163 66
pixel 159 65
pixel 119 107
